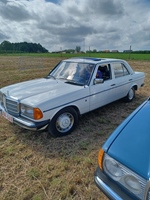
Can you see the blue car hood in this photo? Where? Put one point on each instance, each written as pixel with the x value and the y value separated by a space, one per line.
pixel 131 145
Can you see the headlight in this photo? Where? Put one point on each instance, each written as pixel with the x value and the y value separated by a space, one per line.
pixel 112 168
pixel 27 111
pixel 34 113
pixel 132 184
pixel 124 176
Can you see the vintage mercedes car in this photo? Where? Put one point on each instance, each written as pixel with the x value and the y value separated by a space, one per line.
pixel 124 159
pixel 75 86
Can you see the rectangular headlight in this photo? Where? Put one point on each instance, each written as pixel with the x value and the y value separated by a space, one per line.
pixel 34 113
pixel 27 111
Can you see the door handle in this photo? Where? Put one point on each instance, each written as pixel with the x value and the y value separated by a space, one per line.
pixel 113 84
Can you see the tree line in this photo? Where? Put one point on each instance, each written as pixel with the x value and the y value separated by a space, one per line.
pixel 21 47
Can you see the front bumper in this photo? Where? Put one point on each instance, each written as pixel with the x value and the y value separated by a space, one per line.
pixel 109 188
pixel 23 122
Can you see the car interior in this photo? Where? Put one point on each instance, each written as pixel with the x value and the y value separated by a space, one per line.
pixel 105 70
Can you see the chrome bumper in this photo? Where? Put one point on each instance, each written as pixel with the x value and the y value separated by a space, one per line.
pixel 109 188
pixel 25 123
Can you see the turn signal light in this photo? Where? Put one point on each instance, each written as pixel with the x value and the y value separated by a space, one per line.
pixel 37 114
pixel 100 158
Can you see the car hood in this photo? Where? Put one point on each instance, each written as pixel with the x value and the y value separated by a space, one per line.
pixel 132 145
pixel 39 88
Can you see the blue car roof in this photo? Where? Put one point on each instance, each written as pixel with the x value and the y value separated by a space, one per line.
pixel 89 58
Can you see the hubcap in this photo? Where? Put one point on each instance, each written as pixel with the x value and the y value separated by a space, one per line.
pixel 64 122
pixel 131 94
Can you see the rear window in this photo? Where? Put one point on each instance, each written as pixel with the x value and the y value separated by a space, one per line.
pixel 120 70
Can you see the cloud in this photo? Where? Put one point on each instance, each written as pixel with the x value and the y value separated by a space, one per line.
pixel 3 37
pixel 14 11
pixel 106 8
pixel 98 24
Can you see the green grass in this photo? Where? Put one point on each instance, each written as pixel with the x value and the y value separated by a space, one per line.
pixel 125 56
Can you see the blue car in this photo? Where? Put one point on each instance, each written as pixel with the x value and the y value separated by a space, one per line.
pixel 123 170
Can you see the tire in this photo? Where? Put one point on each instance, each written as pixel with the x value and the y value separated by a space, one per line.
pixel 63 123
pixel 130 96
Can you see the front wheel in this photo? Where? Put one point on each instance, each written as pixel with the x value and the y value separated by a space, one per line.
pixel 130 96
pixel 63 122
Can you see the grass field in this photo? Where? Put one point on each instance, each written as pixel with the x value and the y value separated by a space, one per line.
pixel 34 166
pixel 119 55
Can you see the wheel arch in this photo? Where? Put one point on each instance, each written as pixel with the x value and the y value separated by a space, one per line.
pixel 68 106
pixel 76 109
pixel 131 93
pixel 135 87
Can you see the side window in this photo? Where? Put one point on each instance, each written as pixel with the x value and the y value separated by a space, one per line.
pixel 105 71
pixel 120 70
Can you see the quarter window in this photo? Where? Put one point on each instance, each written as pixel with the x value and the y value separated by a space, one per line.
pixel 120 70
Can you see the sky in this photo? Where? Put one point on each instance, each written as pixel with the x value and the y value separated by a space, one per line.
pixel 64 24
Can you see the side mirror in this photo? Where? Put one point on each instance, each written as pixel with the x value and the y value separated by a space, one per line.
pixel 98 81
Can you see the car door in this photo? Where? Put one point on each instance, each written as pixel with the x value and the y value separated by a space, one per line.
pixel 102 93
pixel 122 79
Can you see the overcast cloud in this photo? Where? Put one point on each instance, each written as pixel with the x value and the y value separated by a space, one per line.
pixel 65 24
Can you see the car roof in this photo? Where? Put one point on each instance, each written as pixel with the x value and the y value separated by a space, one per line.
pixel 91 60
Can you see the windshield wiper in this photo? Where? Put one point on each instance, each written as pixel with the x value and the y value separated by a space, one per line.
pixel 62 78
pixel 73 82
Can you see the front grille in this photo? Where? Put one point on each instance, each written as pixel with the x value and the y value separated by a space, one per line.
pixel 10 105
pixel 148 195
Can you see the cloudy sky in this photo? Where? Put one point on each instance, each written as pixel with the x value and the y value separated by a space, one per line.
pixel 65 24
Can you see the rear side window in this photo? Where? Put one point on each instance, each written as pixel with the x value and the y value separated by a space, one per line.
pixel 120 70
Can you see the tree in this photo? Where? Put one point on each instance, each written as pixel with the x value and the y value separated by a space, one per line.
pixel 20 47
pixel 94 51
pixel 78 49
pixel 6 45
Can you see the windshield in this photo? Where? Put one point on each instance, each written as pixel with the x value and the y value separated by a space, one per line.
pixel 79 73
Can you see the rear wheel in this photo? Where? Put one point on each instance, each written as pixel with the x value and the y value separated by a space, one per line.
pixel 130 96
pixel 63 122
